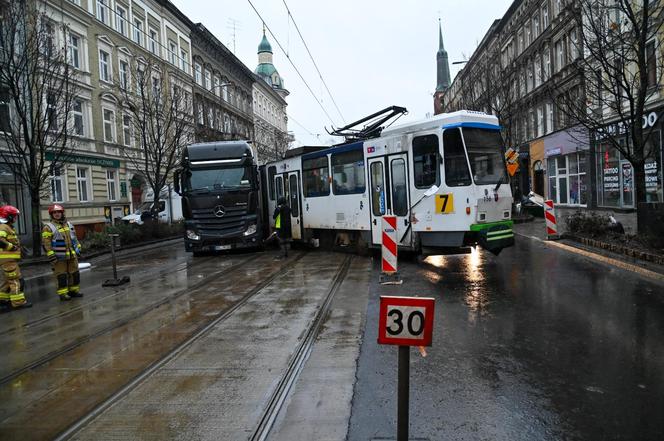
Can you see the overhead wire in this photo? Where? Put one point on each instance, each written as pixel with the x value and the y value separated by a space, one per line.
pixel 290 118
pixel 320 75
pixel 291 62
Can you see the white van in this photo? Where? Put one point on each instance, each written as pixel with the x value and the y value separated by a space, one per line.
pixel 167 206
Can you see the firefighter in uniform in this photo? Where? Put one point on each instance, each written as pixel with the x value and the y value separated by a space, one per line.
pixel 11 292
pixel 62 249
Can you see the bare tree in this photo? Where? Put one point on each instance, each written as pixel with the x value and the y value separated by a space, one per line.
pixel 621 76
pixel 38 88
pixel 160 112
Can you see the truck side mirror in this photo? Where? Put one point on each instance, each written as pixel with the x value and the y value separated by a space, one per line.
pixel 176 182
pixel 254 177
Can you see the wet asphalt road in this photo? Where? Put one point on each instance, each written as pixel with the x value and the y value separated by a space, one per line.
pixel 536 344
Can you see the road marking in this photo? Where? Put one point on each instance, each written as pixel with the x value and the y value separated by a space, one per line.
pixel 598 257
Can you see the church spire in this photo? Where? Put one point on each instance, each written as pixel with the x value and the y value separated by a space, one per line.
pixel 443 62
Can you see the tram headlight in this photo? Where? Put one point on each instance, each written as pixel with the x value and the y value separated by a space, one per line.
pixel 191 235
pixel 251 229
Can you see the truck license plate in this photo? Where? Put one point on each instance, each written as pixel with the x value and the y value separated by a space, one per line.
pixel 222 247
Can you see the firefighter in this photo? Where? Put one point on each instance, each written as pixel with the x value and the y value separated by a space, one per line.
pixel 62 249
pixel 282 222
pixel 11 292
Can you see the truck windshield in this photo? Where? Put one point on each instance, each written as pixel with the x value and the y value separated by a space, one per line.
pixel 218 178
pixel 485 155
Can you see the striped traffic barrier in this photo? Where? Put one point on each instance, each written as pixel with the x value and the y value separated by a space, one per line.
pixel 550 216
pixel 389 250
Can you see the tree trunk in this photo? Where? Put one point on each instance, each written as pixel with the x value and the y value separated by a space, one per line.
pixel 36 224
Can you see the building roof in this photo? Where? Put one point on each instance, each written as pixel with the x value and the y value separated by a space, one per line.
pixel 264 45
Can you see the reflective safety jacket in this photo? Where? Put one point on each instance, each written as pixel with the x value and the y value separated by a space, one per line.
pixel 10 247
pixel 59 239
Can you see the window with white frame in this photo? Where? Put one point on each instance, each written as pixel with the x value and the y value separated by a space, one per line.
pixel 121 20
pixel 154 42
pixel 540 121
pixel 83 183
pixel 5 113
pixel 127 138
pixel 109 125
pixel 184 64
pixel 51 111
pixel 104 66
pixel 58 184
pixel 536 26
pixel 545 16
pixel 112 184
pixel 208 80
pixel 531 124
pixel 529 36
pixel 102 11
pixel 74 45
pixel 199 112
pixel 573 44
pixel 217 85
pixel 559 48
pixel 210 116
pixel 538 71
pixel 225 90
pixel 547 63
pixel 549 118
pixel 198 74
pixel 77 116
pixel 568 182
pixel 124 74
pixel 529 84
pixel 557 7
pixel 172 52
pixel 138 32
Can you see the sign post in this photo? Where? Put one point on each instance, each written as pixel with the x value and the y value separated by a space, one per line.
pixel 406 322
pixel 389 273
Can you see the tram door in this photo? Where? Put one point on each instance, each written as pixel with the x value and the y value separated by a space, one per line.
pixel 388 177
pixel 294 203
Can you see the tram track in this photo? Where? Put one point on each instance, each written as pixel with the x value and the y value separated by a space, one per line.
pixel 124 321
pixel 82 422
pixel 299 358
pixel 116 292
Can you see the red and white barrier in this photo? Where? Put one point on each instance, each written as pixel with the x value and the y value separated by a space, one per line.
pixel 389 244
pixel 550 216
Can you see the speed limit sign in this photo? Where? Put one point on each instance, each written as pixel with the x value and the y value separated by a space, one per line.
pixel 405 321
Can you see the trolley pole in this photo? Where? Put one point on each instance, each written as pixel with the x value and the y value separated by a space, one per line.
pixel 403 393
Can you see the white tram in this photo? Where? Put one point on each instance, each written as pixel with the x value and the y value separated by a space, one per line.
pixel 444 178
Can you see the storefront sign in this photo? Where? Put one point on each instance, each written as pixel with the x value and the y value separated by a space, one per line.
pixel 87 160
pixel 611 179
pixel 621 127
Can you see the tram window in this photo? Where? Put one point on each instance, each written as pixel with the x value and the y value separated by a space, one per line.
pixel 485 155
pixel 280 187
pixel 348 172
pixel 271 173
pixel 377 189
pixel 425 161
pixel 294 205
pixel 399 191
pixel 316 177
pixel 456 166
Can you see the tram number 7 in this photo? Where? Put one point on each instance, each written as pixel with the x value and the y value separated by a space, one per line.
pixel 445 203
pixel 414 322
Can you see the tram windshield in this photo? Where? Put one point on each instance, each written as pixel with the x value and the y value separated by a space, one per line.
pixel 485 155
pixel 211 179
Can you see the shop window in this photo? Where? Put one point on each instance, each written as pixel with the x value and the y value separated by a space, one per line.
pixel 348 172
pixel 568 183
pixel 316 177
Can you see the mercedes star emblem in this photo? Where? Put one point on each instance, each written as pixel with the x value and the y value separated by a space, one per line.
pixel 219 211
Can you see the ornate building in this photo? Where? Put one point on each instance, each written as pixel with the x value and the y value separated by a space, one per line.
pixel 270 120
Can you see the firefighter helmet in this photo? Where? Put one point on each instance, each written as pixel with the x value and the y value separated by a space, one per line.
pixel 56 207
pixel 9 211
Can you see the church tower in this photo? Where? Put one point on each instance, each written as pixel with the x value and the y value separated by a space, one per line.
pixel 266 69
pixel 443 71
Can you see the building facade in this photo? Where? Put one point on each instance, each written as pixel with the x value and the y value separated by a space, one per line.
pixel 104 40
pixel 223 101
pixel 270 118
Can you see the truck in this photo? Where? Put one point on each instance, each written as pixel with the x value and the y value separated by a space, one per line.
pixel 221 201
pixel 169 209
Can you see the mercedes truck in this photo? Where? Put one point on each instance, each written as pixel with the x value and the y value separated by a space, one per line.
pixel 219 185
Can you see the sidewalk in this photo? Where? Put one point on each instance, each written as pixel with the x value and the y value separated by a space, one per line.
pixel 536 230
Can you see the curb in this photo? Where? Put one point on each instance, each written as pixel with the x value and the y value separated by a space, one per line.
pixel 43 260
pixel 619 249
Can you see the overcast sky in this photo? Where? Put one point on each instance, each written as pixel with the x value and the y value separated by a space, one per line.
pixel 372 53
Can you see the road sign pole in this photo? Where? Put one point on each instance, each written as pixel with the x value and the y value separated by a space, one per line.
pixel 403 393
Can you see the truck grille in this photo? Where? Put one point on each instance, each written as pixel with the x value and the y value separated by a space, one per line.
pixel 230 224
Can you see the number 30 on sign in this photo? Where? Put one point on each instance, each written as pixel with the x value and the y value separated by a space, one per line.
pixel 405 321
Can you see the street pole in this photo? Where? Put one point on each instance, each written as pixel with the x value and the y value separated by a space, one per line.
pixel 115 270
pixel 403 393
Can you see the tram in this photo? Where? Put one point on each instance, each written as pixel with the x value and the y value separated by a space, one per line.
pixel 444 178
